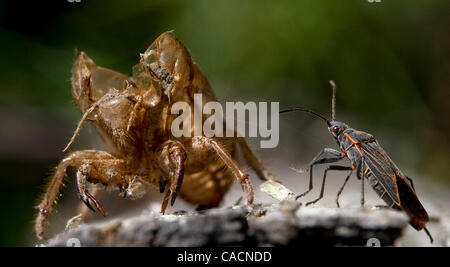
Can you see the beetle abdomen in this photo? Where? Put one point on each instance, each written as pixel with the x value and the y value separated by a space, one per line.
pixel 408 202
pixel 411 205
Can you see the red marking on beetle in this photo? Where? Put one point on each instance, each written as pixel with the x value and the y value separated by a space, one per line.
pixel 355 143
pixel 351 139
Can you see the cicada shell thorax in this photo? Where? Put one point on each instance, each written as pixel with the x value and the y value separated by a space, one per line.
pixel 167 71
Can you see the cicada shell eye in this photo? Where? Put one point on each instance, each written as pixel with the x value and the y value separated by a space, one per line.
pixel 104 80
pixel 170 64
pixel 143 80
pixel 151 54
pixel 81 73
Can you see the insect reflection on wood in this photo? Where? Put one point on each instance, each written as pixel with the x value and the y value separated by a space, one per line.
pixel 370 161
pixel 132 115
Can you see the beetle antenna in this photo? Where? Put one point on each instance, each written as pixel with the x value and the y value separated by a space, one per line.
pixel 308 111
pixel 429 235
pixel 333 101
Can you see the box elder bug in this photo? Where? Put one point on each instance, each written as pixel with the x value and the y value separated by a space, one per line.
pixel 370 161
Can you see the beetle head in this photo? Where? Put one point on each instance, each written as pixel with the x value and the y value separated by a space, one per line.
pixel 336 128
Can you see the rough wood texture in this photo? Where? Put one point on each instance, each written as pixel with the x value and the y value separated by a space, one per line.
pixel 282 224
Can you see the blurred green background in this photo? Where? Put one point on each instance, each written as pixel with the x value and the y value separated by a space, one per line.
pixel 390 60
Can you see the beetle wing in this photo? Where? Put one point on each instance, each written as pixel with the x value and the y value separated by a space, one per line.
pixel 393 181
pixel 359 136
pixel 411 204
pixel 382 168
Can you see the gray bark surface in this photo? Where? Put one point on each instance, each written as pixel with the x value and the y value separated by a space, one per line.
pixel 282 224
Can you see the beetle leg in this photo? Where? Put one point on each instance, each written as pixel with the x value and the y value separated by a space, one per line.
pixel 361 171
pixel 429 235
pixel 317 161
pixel 342 188
pixel 331 167
pixel 171 158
